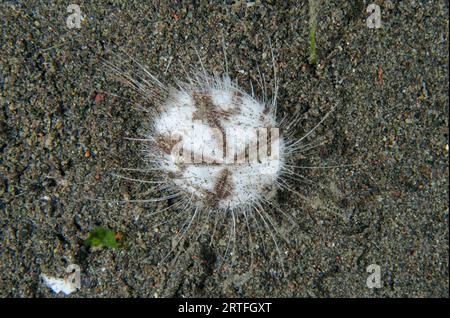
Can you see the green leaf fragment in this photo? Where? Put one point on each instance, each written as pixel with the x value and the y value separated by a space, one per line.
pixel 100 237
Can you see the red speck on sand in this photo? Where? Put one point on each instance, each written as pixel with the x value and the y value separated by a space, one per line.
pixel 99 98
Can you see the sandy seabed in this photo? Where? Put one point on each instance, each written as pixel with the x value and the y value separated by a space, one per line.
pixel 60 141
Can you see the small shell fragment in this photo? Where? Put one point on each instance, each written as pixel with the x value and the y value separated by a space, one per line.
pixel 64 285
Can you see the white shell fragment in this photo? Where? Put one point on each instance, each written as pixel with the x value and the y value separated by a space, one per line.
pixel 65 285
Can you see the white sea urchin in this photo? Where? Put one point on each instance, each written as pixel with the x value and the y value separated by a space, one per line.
pixel 218 149
pixel 218 144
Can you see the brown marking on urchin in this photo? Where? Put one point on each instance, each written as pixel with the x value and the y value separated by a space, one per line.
pixel 223 188
pixel 205 110
pixel 208 112
pixel 166 143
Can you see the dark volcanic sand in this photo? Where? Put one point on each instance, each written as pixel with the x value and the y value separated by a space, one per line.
pixel 390 89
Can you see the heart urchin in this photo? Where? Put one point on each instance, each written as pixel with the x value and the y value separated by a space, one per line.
pixel 217 150
pixel 217 144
